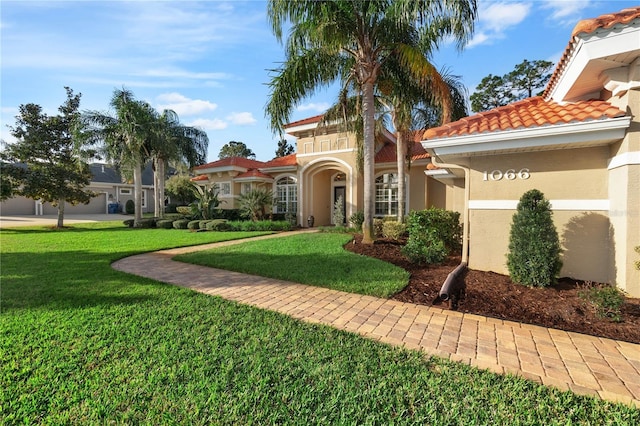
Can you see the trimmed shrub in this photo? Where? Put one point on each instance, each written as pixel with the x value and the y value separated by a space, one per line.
pixel 128 223
pixel 184 210
pixel 219 225
pixel 193 225
pixel 130 207
pixel 356 220
pixel 147 223
pixel 180 223
pixel 393 230
pixel 203 224
pixel 165 224
pixel 534 247
pixel 425 247
pixel 445 224
pixel 607 300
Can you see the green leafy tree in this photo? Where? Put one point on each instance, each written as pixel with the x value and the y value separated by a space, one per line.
pixel 180 189
pixel 56 171
pixel 527 78
pixel 236 149
pixel 284 148
pixel 255 203
pixel 123 136
pixel 534 247
pixel 492 92
pixel 354 40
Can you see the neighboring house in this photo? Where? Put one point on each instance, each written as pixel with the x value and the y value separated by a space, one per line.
pixel 578 143
pixel 106 182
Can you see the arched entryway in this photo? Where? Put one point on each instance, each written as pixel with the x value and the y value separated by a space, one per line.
pixel 323 182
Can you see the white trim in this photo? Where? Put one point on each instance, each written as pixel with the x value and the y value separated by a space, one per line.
pixel 325 152
pixel 121 191
pixel 570 205
pixel 625 159
pixel 325 143
pixel 589 133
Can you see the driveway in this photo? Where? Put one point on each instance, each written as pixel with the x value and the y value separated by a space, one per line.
pixel 51 220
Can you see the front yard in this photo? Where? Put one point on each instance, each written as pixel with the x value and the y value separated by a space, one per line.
pixel 82 343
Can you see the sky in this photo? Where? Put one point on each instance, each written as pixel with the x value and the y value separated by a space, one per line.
pixel 211 61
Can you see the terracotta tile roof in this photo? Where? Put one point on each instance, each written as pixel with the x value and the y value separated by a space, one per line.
pixel 287 160
pixel 315 119
pixel 253 173
pixel 232 161
pixel 606 21
pixel 387 154
pixel 527 113
pixel 587 26
pixel 199 178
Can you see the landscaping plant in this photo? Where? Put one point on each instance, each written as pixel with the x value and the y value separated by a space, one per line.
pixel 433 235
pixel 607 300
pixel 534 247
pixel 254 204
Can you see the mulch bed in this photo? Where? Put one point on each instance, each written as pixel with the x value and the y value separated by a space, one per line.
pixel 495 295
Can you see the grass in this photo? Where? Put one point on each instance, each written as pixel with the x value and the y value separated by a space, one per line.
pixel 316 259
pixel 81 343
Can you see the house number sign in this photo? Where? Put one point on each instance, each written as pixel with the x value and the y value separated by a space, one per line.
pixel 510 174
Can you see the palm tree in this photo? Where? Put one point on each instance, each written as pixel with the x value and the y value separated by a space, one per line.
pixel 123 137
pixel 172 141
pixel 354 41
pixel 439 97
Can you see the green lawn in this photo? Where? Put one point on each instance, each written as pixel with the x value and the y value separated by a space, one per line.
pixel 81 343
pixel 315 259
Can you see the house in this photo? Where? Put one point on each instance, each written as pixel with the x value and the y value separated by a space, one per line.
pixel 578 143
pixel 106 182
pixel 309 182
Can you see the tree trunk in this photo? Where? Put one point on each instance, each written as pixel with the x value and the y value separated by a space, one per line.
pixel 368 109
pixel 158 188
pixel 401 157
pixel 137 189
pixel 61 203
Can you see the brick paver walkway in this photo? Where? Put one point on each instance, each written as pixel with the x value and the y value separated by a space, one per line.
pixel 601 367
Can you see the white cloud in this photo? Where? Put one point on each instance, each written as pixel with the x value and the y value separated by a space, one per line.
pixel 319 107
pixel 207 124
pixel 241 118
pixel 495 18
pixel 183 105
pixel 566 10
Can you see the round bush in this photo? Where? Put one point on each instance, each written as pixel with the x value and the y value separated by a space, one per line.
pixel 130 207
pixel 147 223
pixel 165 224
pixel 180 223
pixel 193 225
pixel 128 223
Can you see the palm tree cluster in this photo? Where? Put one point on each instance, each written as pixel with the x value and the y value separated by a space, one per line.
pixel 136 134
pixel 371 47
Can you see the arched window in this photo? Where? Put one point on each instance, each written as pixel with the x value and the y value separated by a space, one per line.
pixel 286 196
pixel 387 195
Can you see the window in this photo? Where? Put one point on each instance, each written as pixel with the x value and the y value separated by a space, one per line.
pixel 246 187
pixel 125 191
pixel 225 189
pixel 387 195
pixel 286 196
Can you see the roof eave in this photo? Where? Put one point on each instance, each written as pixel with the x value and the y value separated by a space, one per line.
pixel 568 135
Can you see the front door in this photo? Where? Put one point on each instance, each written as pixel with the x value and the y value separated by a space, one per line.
pixel 340 191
